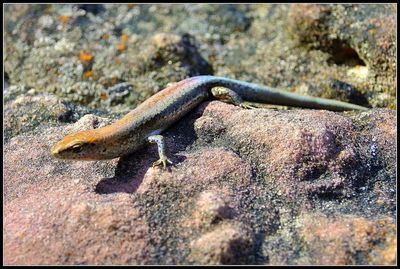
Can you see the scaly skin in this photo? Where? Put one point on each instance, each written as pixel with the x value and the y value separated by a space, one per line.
pixel 157 113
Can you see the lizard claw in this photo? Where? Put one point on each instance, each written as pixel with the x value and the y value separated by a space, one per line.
pixel 246 106
pixel 162 161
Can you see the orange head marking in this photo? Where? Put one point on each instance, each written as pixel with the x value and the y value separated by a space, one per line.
pixel 81 145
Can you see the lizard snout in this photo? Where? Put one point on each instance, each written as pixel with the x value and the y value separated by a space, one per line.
pixel 55 150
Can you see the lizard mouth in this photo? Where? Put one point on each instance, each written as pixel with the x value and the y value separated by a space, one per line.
pixel 55 151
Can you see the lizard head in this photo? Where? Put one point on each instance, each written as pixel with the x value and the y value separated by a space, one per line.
pixel 81 146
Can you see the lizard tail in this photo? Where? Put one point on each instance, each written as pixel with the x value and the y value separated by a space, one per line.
pixel 257 93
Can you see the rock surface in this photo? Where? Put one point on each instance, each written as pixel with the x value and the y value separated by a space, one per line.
pixel 261 186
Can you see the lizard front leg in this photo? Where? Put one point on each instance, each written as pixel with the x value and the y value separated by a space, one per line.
pixel 159 139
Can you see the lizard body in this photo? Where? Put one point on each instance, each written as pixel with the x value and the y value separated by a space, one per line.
pixel 145 123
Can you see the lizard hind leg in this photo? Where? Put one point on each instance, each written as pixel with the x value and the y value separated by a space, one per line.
pixel 229 96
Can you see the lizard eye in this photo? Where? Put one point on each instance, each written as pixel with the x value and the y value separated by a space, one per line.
pixel 76 148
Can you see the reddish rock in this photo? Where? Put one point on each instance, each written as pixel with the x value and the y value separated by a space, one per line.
pixel 211 207
pixel 53 216
pixel 69 224
pixel 123 211
pixel 226 244
pixel 341 240
pixel 200 168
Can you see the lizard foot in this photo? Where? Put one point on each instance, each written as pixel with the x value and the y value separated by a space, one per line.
pixel 162 161
pixel 246 106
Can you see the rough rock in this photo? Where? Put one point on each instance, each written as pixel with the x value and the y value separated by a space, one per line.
pixel 231 176
pixel 226 244
pixel 25 110
pixel 349 240
pixel 358 36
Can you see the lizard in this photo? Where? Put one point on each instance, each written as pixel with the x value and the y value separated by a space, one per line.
pixel 146 122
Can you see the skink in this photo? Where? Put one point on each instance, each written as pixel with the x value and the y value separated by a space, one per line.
pixel 145 123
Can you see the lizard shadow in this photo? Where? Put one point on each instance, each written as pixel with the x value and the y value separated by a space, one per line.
pixel 130 172
pixel 131 169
